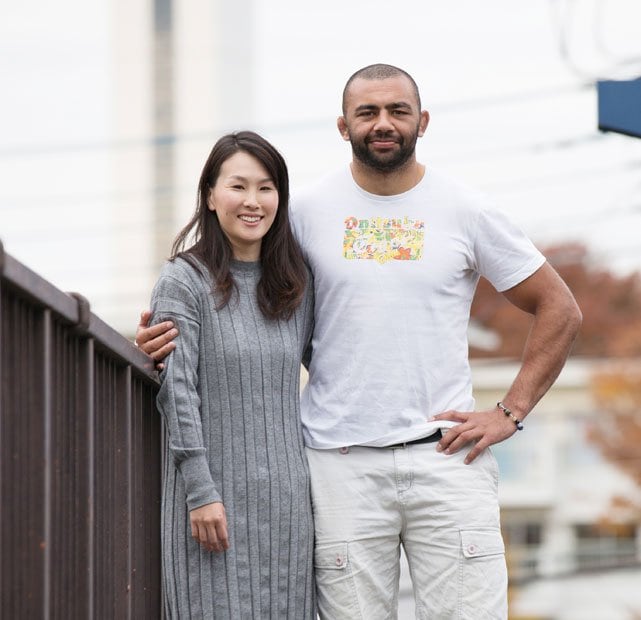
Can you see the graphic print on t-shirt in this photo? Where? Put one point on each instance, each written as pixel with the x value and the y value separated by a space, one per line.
pixel 383 238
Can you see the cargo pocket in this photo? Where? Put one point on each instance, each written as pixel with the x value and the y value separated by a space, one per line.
pixel 483 585
pixel 334 582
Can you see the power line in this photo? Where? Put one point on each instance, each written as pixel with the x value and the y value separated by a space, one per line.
pixel 532 148
pixel 565 177
pixel 210 134
pixel 562 21
pixel 29 201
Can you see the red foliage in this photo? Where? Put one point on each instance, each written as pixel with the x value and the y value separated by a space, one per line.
pixel 617 431
pixel 611 306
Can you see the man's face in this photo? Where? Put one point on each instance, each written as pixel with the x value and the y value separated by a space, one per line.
pixel 382 121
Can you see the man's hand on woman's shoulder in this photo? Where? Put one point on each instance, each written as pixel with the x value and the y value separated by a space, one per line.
pixel 157 340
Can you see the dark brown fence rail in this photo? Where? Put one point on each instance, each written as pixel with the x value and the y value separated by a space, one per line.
pixel 79 460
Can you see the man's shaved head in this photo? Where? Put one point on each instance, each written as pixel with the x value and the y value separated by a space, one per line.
pixel 379 72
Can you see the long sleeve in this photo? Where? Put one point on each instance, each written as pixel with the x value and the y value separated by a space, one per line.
pixel 178 399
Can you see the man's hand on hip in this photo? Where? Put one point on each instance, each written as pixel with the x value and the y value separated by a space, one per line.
pixel 481 428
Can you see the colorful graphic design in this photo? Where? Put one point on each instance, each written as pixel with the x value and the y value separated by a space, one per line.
pixel 383 239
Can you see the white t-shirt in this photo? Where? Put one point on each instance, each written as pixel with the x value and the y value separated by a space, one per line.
pixel 394 278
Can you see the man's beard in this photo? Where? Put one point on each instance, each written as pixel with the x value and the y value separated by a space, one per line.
pixel 388 163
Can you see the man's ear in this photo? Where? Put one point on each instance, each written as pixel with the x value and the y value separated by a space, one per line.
pixel 423 123
pixel 342 128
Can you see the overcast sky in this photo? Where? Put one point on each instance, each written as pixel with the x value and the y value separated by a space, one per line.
pixel 509 86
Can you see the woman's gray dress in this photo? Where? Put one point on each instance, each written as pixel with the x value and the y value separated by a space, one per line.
pixel 230 401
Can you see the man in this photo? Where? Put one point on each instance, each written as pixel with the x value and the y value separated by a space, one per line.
pixel 396 251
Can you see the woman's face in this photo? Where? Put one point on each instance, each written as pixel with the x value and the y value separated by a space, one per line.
pixel 245 200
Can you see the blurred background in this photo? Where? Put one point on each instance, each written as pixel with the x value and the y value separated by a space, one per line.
pixel 110 108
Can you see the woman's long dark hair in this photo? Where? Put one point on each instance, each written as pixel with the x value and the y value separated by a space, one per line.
pixel 284 274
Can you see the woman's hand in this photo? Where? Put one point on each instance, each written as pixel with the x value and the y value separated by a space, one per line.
pixel 209 526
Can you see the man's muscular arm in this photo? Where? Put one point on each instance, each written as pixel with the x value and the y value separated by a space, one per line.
pixel 556 322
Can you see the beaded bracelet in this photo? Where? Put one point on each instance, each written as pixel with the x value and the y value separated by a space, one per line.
pixel 509 414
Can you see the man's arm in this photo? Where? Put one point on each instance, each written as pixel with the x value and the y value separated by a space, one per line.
pixel 556 322
pixel 156 340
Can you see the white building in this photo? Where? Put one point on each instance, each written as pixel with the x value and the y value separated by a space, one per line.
pixel 173 85
pixel 556 491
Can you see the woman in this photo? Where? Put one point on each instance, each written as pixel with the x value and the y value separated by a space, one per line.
pixel 237 530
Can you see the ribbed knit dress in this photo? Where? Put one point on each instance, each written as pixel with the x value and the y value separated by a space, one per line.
pixel 230 401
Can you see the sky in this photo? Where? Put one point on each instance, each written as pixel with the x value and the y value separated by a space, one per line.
pixel 509 86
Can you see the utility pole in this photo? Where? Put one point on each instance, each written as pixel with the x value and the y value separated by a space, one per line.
pixel 203 85
pixel 163 127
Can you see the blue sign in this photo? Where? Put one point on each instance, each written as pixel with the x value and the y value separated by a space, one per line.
pixel 620 106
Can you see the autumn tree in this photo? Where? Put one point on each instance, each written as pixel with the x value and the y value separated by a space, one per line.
pixel 611 306
pixel 616 433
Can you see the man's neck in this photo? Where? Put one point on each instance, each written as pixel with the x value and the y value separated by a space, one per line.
pixel 387 183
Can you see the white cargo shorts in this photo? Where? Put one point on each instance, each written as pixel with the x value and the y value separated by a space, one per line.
pixel 369 501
